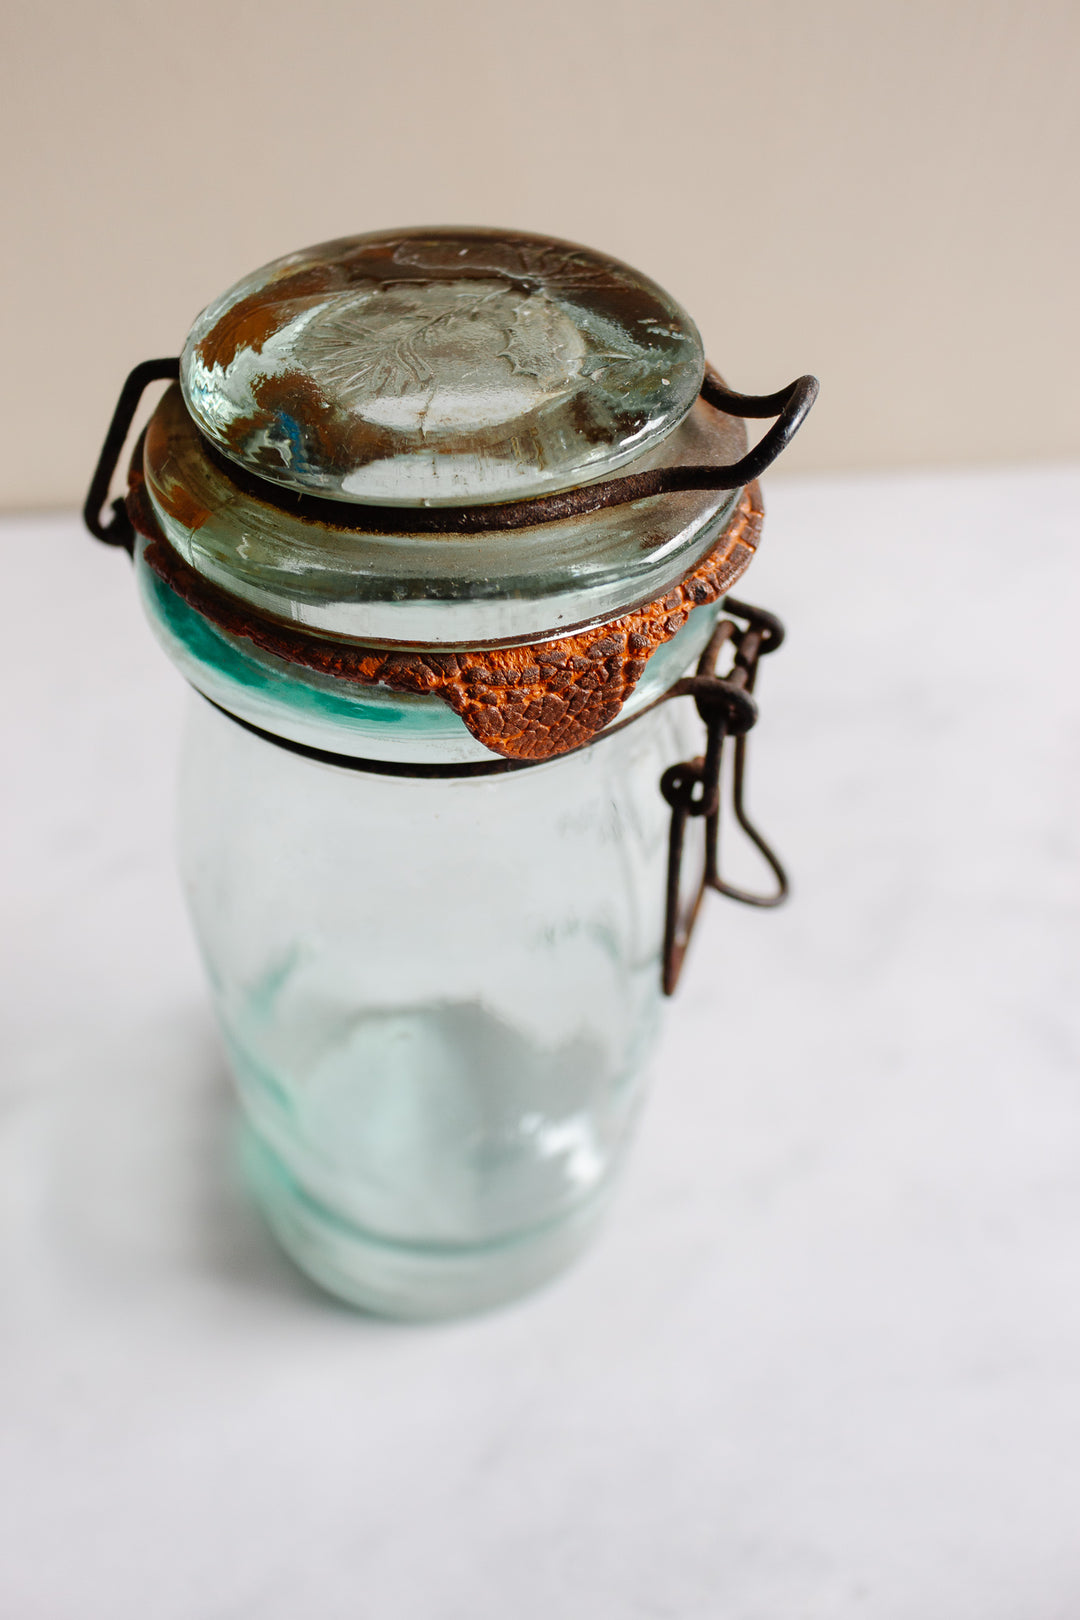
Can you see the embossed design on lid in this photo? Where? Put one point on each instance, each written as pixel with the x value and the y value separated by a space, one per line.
pixel 436 367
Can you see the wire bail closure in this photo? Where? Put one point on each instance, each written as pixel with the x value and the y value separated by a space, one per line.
pixel 725 704
pixel 789 406
pixel 692 788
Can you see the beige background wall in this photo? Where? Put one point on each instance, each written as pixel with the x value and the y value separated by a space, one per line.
pixel 885 193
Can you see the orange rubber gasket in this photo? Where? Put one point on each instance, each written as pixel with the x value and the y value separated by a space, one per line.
pixel 529 702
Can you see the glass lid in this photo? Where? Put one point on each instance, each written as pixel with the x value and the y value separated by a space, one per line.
pixel 449 589
pixel 440 367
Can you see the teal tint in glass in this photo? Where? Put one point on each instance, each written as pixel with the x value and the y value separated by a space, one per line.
pixel 438 978
pixel 438 999
pixel 370 722
pixel 444 366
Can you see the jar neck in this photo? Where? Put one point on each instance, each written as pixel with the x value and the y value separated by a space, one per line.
pixel 342 718
pixel 531 701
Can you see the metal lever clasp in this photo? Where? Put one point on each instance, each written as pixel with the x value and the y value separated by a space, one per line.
pixel 118 530
pixel 692 788
pixel 789 406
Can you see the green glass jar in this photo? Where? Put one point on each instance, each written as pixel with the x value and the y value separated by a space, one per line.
pixel 433 521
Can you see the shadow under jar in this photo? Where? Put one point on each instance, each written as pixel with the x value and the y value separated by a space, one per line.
pixel 433 522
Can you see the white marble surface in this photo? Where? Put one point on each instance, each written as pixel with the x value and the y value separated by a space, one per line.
pixel 825 1363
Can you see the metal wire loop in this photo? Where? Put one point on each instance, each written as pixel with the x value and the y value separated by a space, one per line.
pixel 692 788
pixel 790 406
pixel 118 530
pixel 725 704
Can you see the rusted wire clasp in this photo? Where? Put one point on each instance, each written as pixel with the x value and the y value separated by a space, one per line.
pixel 693 788
pixel 789 406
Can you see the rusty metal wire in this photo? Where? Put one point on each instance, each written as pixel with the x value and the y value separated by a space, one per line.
pixel 726 705
pixel 118 530
pixel 692 788
pixel 789 405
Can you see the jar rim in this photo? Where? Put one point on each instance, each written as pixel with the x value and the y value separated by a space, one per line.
pixel 444 588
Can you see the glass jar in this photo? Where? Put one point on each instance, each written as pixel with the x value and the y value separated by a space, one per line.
pixel 422 837
pixel 439 1042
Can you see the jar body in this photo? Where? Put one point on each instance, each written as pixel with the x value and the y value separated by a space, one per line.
pixel 438 998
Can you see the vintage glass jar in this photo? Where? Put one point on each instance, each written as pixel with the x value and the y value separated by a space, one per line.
pixel 433 521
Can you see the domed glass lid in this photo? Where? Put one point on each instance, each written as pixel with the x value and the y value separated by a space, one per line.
pixel 440 367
